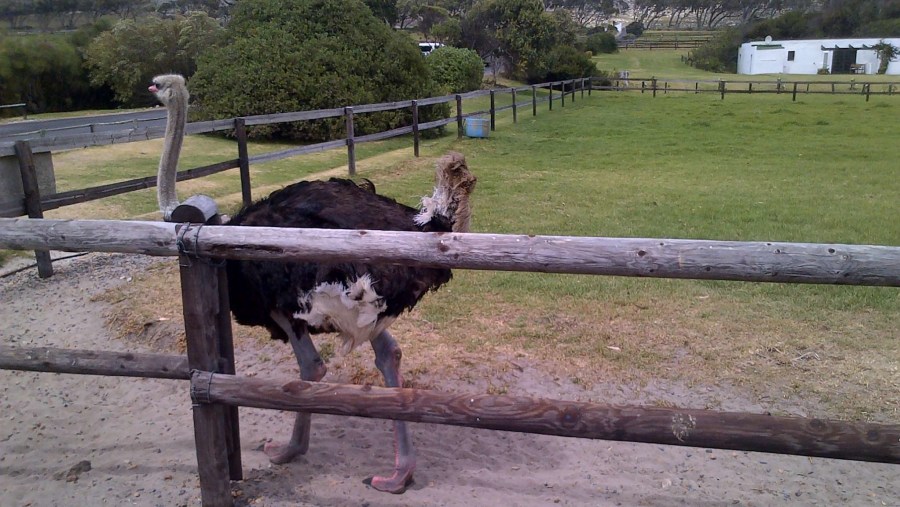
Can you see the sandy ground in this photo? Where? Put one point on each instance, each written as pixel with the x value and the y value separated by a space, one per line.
pixel 137 434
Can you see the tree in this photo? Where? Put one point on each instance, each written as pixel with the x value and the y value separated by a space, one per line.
pixel 127 57
pixel 456 70
pixel 44 72
pixel 517 31
pixel 294 55
pixel 589 13
pixel 887 53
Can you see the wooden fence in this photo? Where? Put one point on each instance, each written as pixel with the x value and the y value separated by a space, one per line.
pixel 34 204
pixel 723 87
pixel 216 390
pixel 669 43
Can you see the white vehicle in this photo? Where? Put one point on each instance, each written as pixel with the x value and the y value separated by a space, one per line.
pixel 428 47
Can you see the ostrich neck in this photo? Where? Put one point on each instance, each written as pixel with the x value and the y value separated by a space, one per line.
pixel 451 203
pixel 176 117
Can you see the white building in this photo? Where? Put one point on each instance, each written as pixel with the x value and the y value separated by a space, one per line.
pixel 839 56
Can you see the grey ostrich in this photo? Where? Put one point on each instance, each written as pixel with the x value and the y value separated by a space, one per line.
pixel 354 299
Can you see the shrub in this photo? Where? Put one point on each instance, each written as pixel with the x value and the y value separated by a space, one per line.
pixel 294 55
pixel 601 42
pixel 455 70
pixel 561 62
pixel 46 73
pixel 127 57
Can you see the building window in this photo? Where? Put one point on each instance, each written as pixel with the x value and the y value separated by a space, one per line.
pixel 790 56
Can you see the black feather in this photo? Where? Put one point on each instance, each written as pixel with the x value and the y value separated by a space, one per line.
pixel 257 288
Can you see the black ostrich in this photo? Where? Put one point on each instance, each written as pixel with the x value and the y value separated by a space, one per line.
pixel 356 300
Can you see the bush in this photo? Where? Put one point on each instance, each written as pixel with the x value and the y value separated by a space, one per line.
pixel 455 70
pixel 601 42
pixel 46 73
pixel 635 28
pixel 295 55
pixel 127 57
pixel 561 62
pixel 719 54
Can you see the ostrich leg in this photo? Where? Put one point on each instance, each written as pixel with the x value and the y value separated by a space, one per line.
pixel 311 368
pixel 387 359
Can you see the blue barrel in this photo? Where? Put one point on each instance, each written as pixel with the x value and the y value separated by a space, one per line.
pixel 478 127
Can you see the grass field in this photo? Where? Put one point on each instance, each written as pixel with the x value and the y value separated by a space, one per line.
pixel 760 167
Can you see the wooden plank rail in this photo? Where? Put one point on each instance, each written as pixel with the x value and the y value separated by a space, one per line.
pixel 670 426
pixel 94 362
pixel 641 257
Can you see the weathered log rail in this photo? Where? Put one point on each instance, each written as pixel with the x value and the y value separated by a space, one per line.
pixel 94 362
pixel 217 392
pixel 740 431
pixel 639 257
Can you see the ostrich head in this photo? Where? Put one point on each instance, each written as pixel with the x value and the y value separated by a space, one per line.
pixel 172 92
pixel 453 185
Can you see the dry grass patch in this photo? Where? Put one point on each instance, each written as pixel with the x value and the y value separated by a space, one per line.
pixel 845 363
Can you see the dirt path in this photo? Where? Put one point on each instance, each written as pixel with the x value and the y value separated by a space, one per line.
pixel 137 434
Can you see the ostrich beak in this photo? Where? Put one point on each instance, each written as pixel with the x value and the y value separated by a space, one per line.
pixel 153 89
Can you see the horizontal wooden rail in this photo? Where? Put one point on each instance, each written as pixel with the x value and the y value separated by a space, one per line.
pixel 300 150
pixel 436 100
pixel 639 257
pixel 670 426
pixel 264 119
pixel 384 106
pixel 436 123
pixel 58 200
pixel 94 362
pixel 387 134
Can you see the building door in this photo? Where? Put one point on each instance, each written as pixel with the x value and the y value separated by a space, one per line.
pixel 842 60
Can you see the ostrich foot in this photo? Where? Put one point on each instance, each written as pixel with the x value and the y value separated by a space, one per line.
pixel 280 454
pixel 395 484
pixel 299 443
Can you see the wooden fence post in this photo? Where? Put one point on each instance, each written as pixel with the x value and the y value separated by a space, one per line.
pixel 573 90
pixel 33 207
pixel 750 88
pixel 240 132
pixel 351 143
pixel 459 117
pixel 697 87
pixel 551 96
pixel 562 95
pixel 533 100
pixel 415 127
pixel 868 90
pixel 722 88
pixel 590 84
pixel 493 111
pixel 778 87
pixel 582 87
pixel 515 116
pixel 653 84
pixel 202 300
pixel 794 94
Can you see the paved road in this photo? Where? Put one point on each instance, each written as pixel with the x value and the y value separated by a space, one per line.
pixel 29 129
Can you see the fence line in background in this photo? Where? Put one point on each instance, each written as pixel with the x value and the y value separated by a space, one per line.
pixel 724 87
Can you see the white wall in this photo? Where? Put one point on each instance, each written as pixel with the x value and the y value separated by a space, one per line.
pixel 764 57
